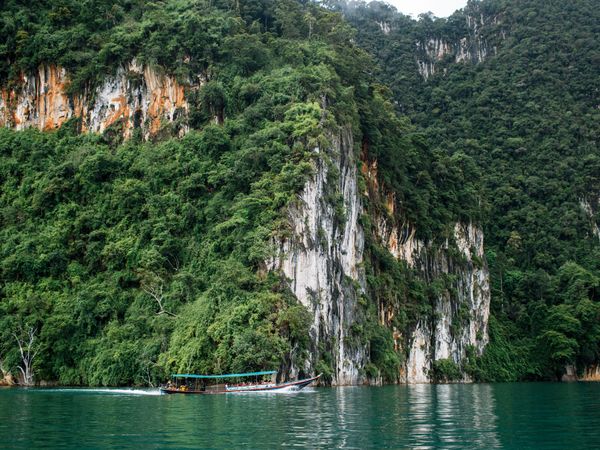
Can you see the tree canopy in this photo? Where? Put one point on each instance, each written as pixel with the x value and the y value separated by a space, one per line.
pixel 527 115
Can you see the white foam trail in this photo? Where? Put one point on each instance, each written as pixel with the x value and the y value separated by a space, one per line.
pixel 133 391
pixel 288 389
pixel 285 390
pixel 106 391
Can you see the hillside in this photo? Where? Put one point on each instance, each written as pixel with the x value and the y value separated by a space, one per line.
pixel 310 187
pixel 514 85
pixel 214 186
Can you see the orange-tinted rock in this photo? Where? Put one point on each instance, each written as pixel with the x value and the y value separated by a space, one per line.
pixel 166 96
pixel 41 101
pixel 591 373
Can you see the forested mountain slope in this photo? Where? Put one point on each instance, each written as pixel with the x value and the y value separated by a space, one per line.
pixel 232 185
pixel 516 86
pixel 215 186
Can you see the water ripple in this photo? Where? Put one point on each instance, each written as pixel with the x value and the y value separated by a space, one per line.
pixel 422 417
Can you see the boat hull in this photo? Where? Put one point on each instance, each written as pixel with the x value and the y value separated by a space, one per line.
pixel 292 385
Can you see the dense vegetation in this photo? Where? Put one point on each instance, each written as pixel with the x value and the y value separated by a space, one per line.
pixel 528 115
pixel 127 261
pixel 131 261
pixel 134 260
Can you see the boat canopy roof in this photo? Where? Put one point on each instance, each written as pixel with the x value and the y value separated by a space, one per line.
pixel 228 375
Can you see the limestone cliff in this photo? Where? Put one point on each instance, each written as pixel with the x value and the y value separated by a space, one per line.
pixel 477 39
pixel 136 97
pixel 591 206
pixel 591 373
pixel 6 377
pixel 460 312
pixel 322 259
pixel 324 255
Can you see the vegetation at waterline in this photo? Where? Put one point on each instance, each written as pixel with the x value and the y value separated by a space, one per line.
pixel 127 264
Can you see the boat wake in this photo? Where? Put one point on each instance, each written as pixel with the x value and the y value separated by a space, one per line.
pixel 285 390
pixel 107 391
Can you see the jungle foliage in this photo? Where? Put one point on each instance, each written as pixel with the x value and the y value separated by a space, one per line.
pixel 528 116
pixel 134 260
pixel 131 260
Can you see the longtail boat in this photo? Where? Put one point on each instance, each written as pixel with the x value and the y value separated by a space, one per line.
pixel 232 383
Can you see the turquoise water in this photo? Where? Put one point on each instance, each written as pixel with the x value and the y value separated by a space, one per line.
pixel 485 416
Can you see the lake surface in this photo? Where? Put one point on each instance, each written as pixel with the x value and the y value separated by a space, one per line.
pixel 485 416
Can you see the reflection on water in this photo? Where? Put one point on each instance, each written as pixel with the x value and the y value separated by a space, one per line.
pixel 484 418
pixel 422 416
pixel 453 416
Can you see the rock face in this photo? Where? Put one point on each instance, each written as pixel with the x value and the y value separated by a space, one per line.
pixel 39 102
pixel 590 207
pixel 473 47
pixel 384 27
pixel 591 373
pixel 136 97
pixel 323 257
pixel 570 373
pixel 6 378
pixel 461 314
